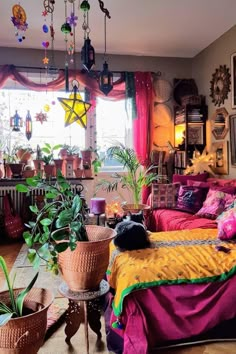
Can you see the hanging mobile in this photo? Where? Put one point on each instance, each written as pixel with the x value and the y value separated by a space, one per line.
pixel 19 21
pixel 45 44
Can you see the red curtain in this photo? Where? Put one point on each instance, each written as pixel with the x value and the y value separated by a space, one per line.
pixel 141 125
pixel 91 83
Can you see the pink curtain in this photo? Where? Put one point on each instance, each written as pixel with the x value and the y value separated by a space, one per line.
pixel 91 83
pixel 141 125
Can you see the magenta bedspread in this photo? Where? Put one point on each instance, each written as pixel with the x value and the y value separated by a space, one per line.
pixel 171 312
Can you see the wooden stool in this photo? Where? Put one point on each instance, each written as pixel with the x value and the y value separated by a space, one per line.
pixel 84 307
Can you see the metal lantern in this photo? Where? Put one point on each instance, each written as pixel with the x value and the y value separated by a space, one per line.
pixel 88 55
pixel 16 122
pixel 28 126
pixel 105 79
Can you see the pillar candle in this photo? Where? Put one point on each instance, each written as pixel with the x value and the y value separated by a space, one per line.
pixel 98 205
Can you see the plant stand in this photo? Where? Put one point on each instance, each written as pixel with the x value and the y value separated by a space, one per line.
pixel 84 307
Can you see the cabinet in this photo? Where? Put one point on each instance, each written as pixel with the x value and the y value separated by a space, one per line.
pixel 189 133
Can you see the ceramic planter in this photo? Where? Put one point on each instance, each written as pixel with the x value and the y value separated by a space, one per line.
pixel 49 171
pixel 16 169
pixel 26 334
pixel 78 173
pixel 84 268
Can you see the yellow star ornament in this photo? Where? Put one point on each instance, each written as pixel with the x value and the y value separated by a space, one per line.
pixel 75 108
pixel 201 163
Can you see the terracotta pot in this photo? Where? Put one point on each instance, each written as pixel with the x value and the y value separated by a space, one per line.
pixel 59 164
pixel 84 268
pixel 78 173
pixel 28 173
pixel 16 169
pixel 26 334
pixel 86 155
pixel 132 208
pixel 76 162
pixel 49 171
pixel 87 173
pixel 63 153
pixel 38 165
pixel 23 155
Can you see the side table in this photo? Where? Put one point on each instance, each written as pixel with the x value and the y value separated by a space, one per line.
pixel 83 307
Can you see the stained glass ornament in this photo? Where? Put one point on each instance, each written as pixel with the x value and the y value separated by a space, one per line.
pixel 46 108
pixel 66 28
pixel 16 122
pixel 75 108
pixel 88 55
pixel 19 21
pixel 105 79
pixel 41 117
pixel 28 126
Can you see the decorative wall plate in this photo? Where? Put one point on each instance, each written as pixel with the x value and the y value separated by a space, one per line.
pixel 220 85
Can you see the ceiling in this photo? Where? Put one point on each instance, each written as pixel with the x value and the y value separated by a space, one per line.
pixel 172 28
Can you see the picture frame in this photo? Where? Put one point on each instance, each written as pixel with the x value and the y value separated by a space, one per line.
pixel 233 80
pixel 232 129
pixel 220 153
pixel 195 134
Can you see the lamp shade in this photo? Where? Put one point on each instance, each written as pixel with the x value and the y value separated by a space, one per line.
pixel 105 79
pixel 88 55
pixel 98 205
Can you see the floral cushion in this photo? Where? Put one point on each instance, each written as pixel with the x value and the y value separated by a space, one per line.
pixel 164 195
pixel 216 202
pixel 191 198
pixel 227 224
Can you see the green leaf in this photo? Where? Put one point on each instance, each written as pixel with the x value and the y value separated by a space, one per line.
pixel 33 181
pixel 4 308
pixel 76 205
pixel 34 209
pixel 9 285
pixel 51 195
pixel 21 296
pixel 44 252
pixel 56 147
pixel 72 246
pixel 75 226
pixel 28 238
pixel 64 218
pixel 60 235
pixel 22 188
pixel 5 318
pixel 45 222
pixel 61 247
pixel 47 150
pixel 31 255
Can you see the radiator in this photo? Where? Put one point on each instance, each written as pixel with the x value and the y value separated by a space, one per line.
pixel 18 198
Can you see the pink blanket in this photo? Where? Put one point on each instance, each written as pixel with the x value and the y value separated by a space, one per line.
pixel 171 312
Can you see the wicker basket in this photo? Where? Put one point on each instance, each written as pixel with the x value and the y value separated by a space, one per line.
pixel 25 335
pixel 84 268
pixel 133 208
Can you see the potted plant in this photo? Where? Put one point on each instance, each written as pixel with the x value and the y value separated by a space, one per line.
pixel 79 251
pixel 134 178
pixel 23 316
pixel 48 158
pixel 24 153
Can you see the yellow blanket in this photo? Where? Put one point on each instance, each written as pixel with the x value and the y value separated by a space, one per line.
pixel 186 256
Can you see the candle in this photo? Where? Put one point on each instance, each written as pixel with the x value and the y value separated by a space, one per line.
pixel 98 205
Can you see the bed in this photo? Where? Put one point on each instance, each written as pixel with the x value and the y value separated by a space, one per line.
pixel 181 289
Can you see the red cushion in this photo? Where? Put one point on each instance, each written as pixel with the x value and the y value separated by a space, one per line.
pixel 184 178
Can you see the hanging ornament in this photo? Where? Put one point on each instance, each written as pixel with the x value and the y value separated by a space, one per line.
pixel 87 51
pixel 16 122
pixel 28 126
pixel 52 69
pixel 72 21
pixel 46 107
pixel 75 108
pixel 45 44
pixel 19 21
pixel 41 117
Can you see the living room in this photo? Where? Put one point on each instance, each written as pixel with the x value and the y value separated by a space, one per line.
pixel 207 60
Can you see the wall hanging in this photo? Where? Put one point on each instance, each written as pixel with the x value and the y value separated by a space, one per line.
pixel 219 123
pixel 220 85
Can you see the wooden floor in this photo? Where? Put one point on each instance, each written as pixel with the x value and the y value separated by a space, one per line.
pixel 57 345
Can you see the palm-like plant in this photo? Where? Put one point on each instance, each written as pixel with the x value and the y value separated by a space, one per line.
pixel 134 179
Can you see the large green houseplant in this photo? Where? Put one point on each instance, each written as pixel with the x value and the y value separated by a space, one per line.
pixel 134 177
pixel 58 233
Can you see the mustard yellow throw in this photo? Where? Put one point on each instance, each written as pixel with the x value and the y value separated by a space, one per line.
pixel 176 257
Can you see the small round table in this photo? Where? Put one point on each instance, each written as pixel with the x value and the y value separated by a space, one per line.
pixel 83 307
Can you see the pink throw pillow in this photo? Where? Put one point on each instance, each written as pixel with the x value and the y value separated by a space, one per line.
pixel 182 179
pixel 164 195
pixel 227 224
pixel 190 198
pixel 199 184
pixel 216 202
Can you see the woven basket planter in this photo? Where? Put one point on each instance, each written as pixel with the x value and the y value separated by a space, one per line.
pixel 25 335
pixel 84 268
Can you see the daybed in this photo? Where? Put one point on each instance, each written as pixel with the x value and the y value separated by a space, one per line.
pixel 178 290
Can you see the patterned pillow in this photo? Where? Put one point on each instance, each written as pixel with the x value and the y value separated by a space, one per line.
pixel 182 179
pixel 164 195
pixel 190 198
pixel 216 202
pixel 227 224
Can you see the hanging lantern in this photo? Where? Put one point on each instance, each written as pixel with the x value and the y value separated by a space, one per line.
pixel 88 55
pixel 105 79
pixel 28 126
pixel 16 122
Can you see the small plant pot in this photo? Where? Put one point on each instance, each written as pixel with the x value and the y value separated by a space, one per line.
pixel 86 155
pixel 58 164
pixel 26 334
pixel 78 173
pixel 23 155
pixel 16 169
pixel 87 173
pixel 28 173
pixel 49 171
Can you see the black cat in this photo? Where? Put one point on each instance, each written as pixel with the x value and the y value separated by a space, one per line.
pixel 131 235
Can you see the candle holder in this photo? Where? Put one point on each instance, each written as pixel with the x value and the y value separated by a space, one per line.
pixel 98 207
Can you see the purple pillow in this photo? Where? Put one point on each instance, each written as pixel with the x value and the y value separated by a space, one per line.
pixel 227 224
pixel 216 202
pixel 191 198
pixel 182 179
